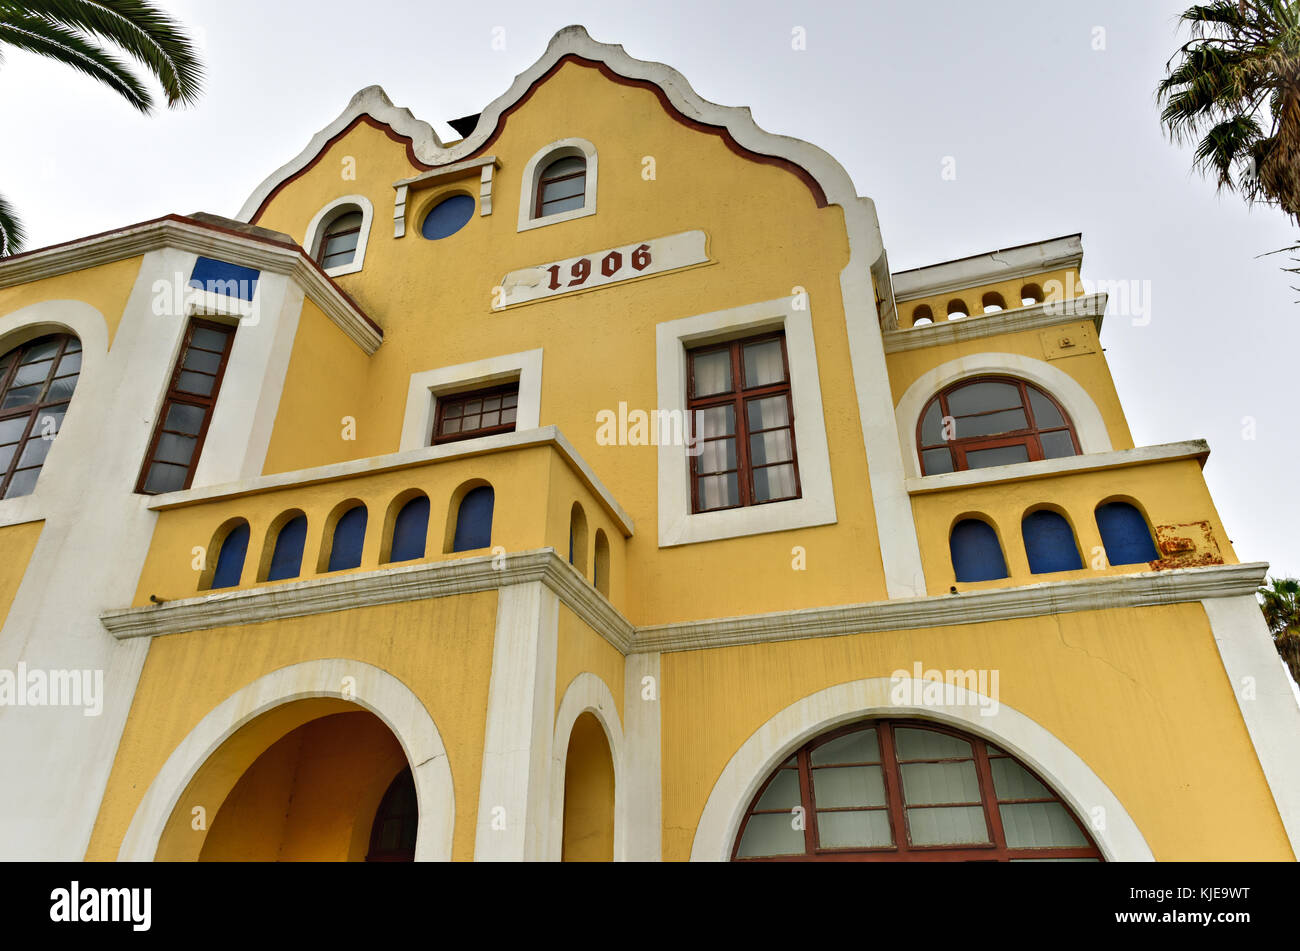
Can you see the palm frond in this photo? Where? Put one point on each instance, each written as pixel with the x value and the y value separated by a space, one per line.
pixel 12 235
pixel 37 35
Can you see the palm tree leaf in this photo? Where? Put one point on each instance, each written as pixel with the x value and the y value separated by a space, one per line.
pixel 37 35
pixel 12 235
pixel 139 29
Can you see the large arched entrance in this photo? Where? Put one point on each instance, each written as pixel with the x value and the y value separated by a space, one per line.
pixel 908 790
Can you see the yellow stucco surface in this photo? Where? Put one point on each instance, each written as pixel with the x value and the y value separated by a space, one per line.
pixel 105 287
pixel 17 542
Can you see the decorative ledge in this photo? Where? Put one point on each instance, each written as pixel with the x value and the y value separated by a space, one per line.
pixel 1002 265
pixel 484 165
pixel 1197 449
pixel 1035 317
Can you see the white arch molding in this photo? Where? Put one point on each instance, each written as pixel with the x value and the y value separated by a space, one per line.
pixel 313 234
pixel 543 157
pixel 1079 787
pixel 372 688
pixel 586 693
pixel 1089 425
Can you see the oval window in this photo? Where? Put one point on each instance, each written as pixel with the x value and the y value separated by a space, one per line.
pixel 448 217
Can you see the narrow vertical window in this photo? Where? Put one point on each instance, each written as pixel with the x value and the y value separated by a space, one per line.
pixel 349 539
pixel 36 384
pixel 1049 543
pixel 230 562
pixel 474 520
pixel 187 410
pixel 286 558
pixel 410 530
pixel 578 538
pixel 562 186
pixel 600 571
pixel 1125 534
pixel 976 552
pixel 338 246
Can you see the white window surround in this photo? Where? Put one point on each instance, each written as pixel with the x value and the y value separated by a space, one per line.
pixel 1089 425
pixel 425 388
pixel 558 149
pixel 325 216
pixel 816 506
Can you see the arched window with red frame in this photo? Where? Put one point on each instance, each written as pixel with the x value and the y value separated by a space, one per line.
pixel 908 791
pixel 992 421
pixel 561 187
pixel 37 380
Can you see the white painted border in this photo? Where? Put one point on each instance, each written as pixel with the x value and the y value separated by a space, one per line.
pixel 816 506
pixel 560 148
pixel 377 690
pixel 422 393
pixel 587 693
pixel 643 790
pixel 817 713
pixel 1084 414
pixel 312 234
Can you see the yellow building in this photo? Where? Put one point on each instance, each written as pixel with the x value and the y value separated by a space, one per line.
pixel 589 488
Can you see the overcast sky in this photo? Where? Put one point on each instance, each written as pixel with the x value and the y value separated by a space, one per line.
pixel 1048 135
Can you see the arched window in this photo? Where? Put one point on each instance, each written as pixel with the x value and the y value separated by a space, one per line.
pixel 36 384
pixel 600 571
pixel 1049 543
pixel 1125 534
pixel 230 562
pixel 349 539
pixel 1031 294
pixel 474 520
pixel 562 186
pixel 976 552
pixel 957 309
pixel 909 791
pixel 410 530
pixel 992 421
pixel 338 243
pixel 993 302
pixel 397 820
pixel 922 316
pixel 578 538
pixel 286 558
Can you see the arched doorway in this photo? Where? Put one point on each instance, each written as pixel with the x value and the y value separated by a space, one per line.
pixel 907 790
pixel 588 834
pixel 393 832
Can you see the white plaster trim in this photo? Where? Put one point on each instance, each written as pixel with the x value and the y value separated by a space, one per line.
pixel 425 387
pixel 1268 705
pixel 1197 449
pixel 816 506
pixel 1012 320
pixel 327 214
pixel 1035 746
pixel 989 268
pixel 484 165
pixel 642 776
pixel 1089 425
pixel 560 148
pixel 377 690
pixel 587 693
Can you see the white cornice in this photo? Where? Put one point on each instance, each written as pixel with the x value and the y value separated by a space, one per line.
pixel 503 442
pixel 464 576
pixel 989 268
pixel 188 235
pixel 1197 449
pixel 448 171
pixel 1035 317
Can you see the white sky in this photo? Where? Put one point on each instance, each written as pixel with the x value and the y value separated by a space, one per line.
pixel 1049 135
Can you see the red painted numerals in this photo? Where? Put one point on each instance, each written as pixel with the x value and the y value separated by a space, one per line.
pixel 610 265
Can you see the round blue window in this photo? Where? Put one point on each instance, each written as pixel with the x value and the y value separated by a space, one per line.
pixel 448 217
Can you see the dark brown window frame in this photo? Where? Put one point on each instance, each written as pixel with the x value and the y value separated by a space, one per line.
pixel 449 399
pixel 330 233
pixel 33 410
pixel 174 396
pixel 1029 437
pixel 902 850
pixel 739 396
pixel 543 181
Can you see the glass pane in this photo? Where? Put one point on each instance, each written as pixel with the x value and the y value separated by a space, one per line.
pixel 928 784
pixel 772 834
pixel 183 418
pixel 346 222
pixel 774 482
pixel 947 825
pixel 569 188
pixel 342 244
pixel 473 407
pixel 209 339
pixel 490 419
pixel 34 452
pixel 1001 456
pixel 22 396
pixel 937 461
pixel 844 830
pixel 32 373
pixel 164 477
pixel 912 744
pixel 1032 825
pixel 983 398
pixel 450 426
pixel 48 421
pixel 771 412
pixel 861 747
pixel 203 360
pixel 1057 445
pixel 715 421
pixel 1013 781
pixel 11 430
pixel 563 204
pixel 71 363
pixel 712 372
pixel 763 363
pixel 23 482
pixel 565 166
pixel 6 457
pixel 61 390
pixel 1046 415
pixel 74 346
pixel 177 449
pixel 932 426
pixel 1004 422
pixel 718 455
pixel 774 446
pixel 41 350
pixel 508 415
pixel 717 492
pixel 198 383
pixel 835 786
pixel 782 792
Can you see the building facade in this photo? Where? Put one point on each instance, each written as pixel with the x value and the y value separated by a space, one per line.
pixel 589 488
